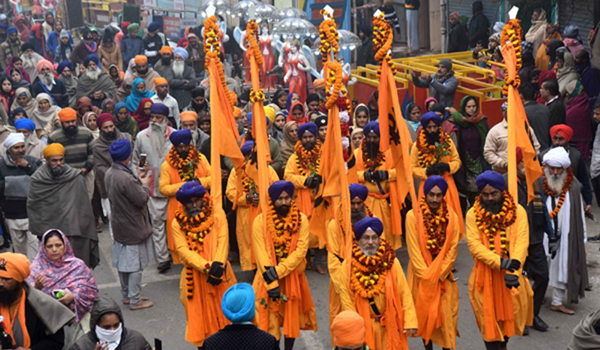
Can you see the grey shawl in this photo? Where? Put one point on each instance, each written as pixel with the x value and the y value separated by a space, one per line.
pixel 87 86
pixel 595 165
pixel 71 84
pixel 54 315
pixel 103 160
pixel 578 274
pixel 584 334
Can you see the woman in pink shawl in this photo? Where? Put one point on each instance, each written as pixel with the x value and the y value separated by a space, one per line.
pixel 22 25
pixel 578 117
pixel 57 272
pixel 17 62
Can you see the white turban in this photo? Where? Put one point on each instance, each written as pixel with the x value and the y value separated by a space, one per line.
pixel 557 157
pixel 13 138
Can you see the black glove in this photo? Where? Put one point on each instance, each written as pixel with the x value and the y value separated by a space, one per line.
pixel 443 168
pixel 430 171
pixel 270 274
pixel 274 293
pixel 553 247
pixel 216 269
pixel 310 182
pixel 511 281
pixel 381 175
pixel 369 176
pixel 318 178
pixel 511 265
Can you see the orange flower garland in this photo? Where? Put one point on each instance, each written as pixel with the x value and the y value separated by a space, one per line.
pixel 247 183
pixel 185 167
pixel 282 229
pixel 490 224
pixel 212 48
pixel 563 193
pixel 252 40
pixel 371 163
pixel 367 277
pixel 308 162
pixel 329 38
pixel 435 225
pixel 513 33
pixel 431 154
pixel 256 96
pixel 383 37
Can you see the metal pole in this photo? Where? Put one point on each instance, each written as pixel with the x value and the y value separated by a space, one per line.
pixel 444 25
pixel 355 29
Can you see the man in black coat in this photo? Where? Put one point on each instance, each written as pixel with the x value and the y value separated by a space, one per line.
pixel 479 26
pixel 555 104
pixel 46 83
pixel 366 55
pixel 457 37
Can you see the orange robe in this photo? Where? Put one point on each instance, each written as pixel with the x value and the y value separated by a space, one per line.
pixel 245 214
pixel 169 183
pixel 334 265
pixel 298 313
pixel 486 284
pixel 203 309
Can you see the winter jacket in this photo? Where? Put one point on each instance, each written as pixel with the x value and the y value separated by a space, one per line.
pixel 152 46
pixel 131 47
pixel 457 38
pixel 53 41
pixel 478 26
pixel 8 49
pixel 81 52
pixel 115 57
pixel 443 92
pixel 179 88
pixel 15 180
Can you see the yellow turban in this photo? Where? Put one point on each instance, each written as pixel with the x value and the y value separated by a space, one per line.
pixel 319 83
pixel 140 59
pixel 188 116
pixel 166 48
pixel 15 266
pixel 270 113
pixel 348 329
pixel 54 149
pixel 160 81
pixel 67 114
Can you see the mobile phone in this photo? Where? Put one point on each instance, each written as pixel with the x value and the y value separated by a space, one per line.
pixel 142 162
pixel 157 344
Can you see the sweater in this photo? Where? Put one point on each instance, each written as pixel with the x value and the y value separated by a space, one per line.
pixel 81 52
pixel 78 149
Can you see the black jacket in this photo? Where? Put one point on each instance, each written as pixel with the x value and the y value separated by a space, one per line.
pixel 558 112
pixel 412 4
pixel 457 38
pixel 15 208
pixel 366 55
pixel 58 92
pixel 241 336
pixel 152 46
pixel 479 26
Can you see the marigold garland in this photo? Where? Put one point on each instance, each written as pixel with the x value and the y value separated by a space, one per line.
pixel 435 225
pixel 329 37
pixel 308 163
pixel 212 49
pixel 371 163
pixel 513 33
pixel 256 96
pixel 252 40
pixel 247 183
pixel 561 196
pixel 282 229
pixel 383 37
pixel 185 167
pixel 432 154
pixel 490 224
pixel 367 277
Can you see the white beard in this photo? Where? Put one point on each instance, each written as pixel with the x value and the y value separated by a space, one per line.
pixel 93 73
pixel 555 182
pixel 157 136
pixel 178 68
pixel 369 252
pixel 47 79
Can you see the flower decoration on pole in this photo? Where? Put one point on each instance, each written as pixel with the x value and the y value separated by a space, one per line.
pixel 511 35
pixel 254 50
pixel 329 35
pixel 212 48
pixel 383 37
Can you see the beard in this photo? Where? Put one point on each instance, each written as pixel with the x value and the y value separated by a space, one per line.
pixel 142 72
pixel 56 170
pixel 191 213
pixel 369 250
pixel 357 215
pixel 199 107
pixel 109 136
pixel 309 146
pixel 178 68
pixel 183 155
pixel 432 138
pixel 157 136
pixel 493 207
pixel 282 210
pixel 93 74
pixel 8 297
pixel 71 130
pixel 555 182
pixel 372 149
pixel 47 79
pixel 67 79
pixel 16 155
pixel 166 61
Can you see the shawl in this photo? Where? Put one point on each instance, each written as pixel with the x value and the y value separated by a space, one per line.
pixel 36 30
pixel 542 59
pixel 537 32
pixel 86 118
pixel 86 86
pixel 29 107
pixel 289 101
pixel 360 107
pixel 577 280
pixel 84 102
pixel 133 100
pixel 23 28
pixel 577 117
pixel 105 103
pixel 40 118
pixel 103 160
pixel 585 336
pixel 464 122
pixel 122 94
pixel 142 119
pixel 24 74
pixel 68 273
pixel 31 69
pixel 71 85
pixel 288 144
pixel 7 100
pixel 129 126
pixel 291 118
pixel 129 72
pixel 567 73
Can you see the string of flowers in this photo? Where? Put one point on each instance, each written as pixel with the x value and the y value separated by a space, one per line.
pixel 431 154
pixel 369 162
pixel 212 48
pixel 248 184
pixel 256 96
pixel 282 229
pixel 383 37
pixel 367 277
pixel 186 168
pixel 435 225
pixel 492 224
pixel 308 163
pixel 563 192
pixel 513 33
pixel 252 40
pixel 329 37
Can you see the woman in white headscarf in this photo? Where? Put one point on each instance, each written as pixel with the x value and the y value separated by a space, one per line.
pixel 45 115
pixel 23 100
pixel 566 70
pixel 537 32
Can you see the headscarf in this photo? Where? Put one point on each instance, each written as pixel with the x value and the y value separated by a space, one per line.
pixel 435 181
pixel 287 145
pixel 348 329
pixel 129 70
pixel 279 187
pixel 289 101
pixel 363 225
pixel 537 32
pixel 574 88
pixel 31 105
pixel 140 115
pixel 83 101
pixel 277 95
pixel 23 27
pixel 429 99
pixel 133 101
pixel 553 45
pixel 455 16
pixel 68 273
pixel 557 157
pixel 238 303
pixel 360 108
pixel 568 65
pixel 24 75
pixel 120 150
pixel 491 178
pixel 106 102
pixel 291 118
pixel 40 118
pixel 358 190
pixel 189 190
pixel 565 130
pixel 86 118
pixel 13 114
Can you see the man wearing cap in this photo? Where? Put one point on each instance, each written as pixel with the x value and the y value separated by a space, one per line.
pixel 87 46
pixel 321 122
pixel 142 70
pixel 16 169
pixel 202 241
pixel 189 120
pixel 432 236
pixel 568 269
pixel 182 78
pixel 499 248
pixel 238 307
pixel 442 85
pixel 165 62
pixel 196 56
pixel 174 172
pixel 57 200
pixel 348 331
pixel 78 142
pixel 163 96
pixel 94 81
pixel 247 202
pixel 38 320
pixel 377 289
pixel 131 44
pixel 30 60
pixel 155 143
pixel 153 42
pixel 132 247
pixel 45 83
pixel 280 259
pixel 108 52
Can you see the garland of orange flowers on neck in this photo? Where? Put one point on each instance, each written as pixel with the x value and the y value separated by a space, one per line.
pixel 252 40
pixel 492 224
pixel 247 183
pixel 563 193
pixel 212 48
pixel 383 38
pixel 367 277
pixel 371 163
pixel 308 163
pixel 185 167
pixel 431 154
pixel 282 229
pixel 435 225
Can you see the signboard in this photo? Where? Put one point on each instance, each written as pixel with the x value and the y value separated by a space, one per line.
pixel 171 24
pixel 101 17
pixel 179 4
pixel 150 3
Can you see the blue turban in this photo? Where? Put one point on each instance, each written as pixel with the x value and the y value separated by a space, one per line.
pixel 371 127
pixel 373 223
pixel 3 26
pixel 120 150
pixel 160 109
pixel 238 303
pixel 189 190
pixel 88 58
pixel 62 66
pixel 12 30
pixel 247 147
pixel 491 178
pixel 279 186
pixel 181 137
pixel 153 26
pixel 430 117
pixel 310 127
pixel 434 181
pixel 181 52
pixel 24 123
pixel 360 191
pixel 249 118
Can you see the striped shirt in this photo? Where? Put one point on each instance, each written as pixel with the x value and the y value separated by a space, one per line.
pixel 390 16
pixel 78 148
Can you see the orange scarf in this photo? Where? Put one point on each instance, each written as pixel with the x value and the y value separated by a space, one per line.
pixel 9 320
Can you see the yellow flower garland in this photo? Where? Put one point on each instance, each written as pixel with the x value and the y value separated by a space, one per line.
pixel 212 49
pixel 308 163
pixel 383 37
pixel 368 162
pixel 435 225
pixel 252 40
pixel 329 38
pixel 185 167
pixel 431 154
pixel 282 229
pixel 491 224
pixel 512 32
pixel 367 277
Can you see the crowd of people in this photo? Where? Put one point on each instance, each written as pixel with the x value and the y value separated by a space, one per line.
pixel 117 130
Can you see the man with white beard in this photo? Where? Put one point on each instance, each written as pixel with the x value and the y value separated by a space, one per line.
pixel 154 144
pixel 45 83
pixel 30 60
pixel 94 80
pixel 182 78
pixel 562 191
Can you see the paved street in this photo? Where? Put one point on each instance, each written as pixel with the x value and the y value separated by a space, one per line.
pixel 166 320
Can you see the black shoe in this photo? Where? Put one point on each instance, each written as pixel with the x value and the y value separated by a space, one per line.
pixel 539 324
pixel 525 331
pixel 162 267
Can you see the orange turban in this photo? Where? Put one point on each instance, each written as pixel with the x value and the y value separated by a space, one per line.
pixel 562 129
pixel 188 116
pixel 67 114
pixel 54 149
pixel 348 329
pixel 15 266
pixel 140 59
pixel 160 81
pixel 237 112
pixel 319 83
pixel 166 48
pixel 233 96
